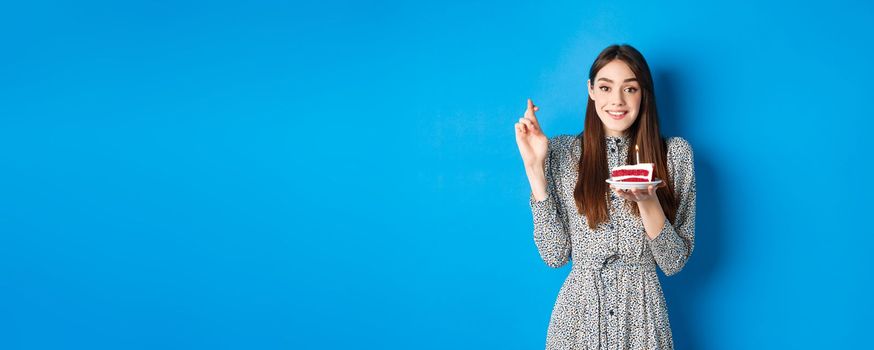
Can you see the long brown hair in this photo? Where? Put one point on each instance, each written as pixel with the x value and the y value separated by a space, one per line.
pixel 592 192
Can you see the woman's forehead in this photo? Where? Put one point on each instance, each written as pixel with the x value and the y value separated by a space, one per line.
pixel 615 71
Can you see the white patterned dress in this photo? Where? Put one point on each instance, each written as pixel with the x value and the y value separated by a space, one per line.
pixel 612 297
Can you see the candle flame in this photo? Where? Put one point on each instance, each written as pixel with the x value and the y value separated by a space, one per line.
pixel 636 154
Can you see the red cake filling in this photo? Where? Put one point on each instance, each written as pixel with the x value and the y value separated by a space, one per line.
pixel 630 172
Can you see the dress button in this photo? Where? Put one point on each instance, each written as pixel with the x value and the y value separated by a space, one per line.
pixel 611 312
pixel 610 226
pixel 612 149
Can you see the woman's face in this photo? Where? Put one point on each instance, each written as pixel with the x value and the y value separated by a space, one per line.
pixel 616 90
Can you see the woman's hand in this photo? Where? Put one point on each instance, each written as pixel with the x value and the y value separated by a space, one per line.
pixel 639 195
pixel 530 138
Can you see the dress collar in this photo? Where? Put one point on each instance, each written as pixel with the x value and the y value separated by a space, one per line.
pixel 617 140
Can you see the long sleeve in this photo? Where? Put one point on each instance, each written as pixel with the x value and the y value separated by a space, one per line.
pixel 551 234
pixel 674 244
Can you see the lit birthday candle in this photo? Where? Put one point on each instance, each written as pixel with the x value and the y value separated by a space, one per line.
pixel 637 153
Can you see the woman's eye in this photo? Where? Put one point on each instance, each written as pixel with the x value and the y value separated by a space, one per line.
pixel 632 89
pixel 604 87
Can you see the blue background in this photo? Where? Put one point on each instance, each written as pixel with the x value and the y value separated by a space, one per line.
pixel 276 175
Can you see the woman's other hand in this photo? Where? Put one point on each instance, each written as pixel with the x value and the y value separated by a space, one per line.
pixel 530 138
pixel 638 195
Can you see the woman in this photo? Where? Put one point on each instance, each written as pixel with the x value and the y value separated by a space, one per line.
pixel 612 298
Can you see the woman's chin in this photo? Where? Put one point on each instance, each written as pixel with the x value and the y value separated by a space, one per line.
pixel 618 127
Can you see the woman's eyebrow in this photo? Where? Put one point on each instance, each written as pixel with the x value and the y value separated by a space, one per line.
pixel 610 81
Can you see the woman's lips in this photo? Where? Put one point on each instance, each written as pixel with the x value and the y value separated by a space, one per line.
pixel 618 117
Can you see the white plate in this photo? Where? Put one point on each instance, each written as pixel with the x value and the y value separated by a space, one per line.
pixel 629 185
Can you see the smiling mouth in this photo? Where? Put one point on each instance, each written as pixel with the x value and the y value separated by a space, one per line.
pixel 617 114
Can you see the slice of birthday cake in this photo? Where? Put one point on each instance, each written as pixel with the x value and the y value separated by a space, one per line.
pixel 632 173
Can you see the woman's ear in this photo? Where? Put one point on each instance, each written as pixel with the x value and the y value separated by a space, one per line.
pixel 589 88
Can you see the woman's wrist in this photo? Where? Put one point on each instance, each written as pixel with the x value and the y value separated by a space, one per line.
pixel 536 167
pixel 652 202
pixel 537 180
pixel 653 217
pixel 651 205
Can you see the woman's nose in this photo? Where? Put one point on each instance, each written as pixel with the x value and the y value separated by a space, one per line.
pixel 616 99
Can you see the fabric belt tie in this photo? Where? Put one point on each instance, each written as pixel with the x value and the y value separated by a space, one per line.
pixel 611 262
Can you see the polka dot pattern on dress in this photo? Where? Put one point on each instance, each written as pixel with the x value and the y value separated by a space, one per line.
pixel 612 297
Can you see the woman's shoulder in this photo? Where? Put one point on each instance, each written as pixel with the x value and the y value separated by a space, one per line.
pixel 562 142
pixel 679 148
pixel 680 156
